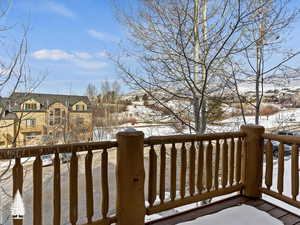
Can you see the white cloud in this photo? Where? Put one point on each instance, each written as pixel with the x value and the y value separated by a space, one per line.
pixel 60 9
pixel 90 65
pixel 52 54
pixel 83 55
pixel 81 59
pixel 101 35
pixel 102 54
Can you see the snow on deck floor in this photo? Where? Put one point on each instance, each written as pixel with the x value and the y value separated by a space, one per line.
pixel 239 215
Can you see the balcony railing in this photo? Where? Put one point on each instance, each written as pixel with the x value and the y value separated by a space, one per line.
pixel 191 168
pixel 278 190
pixel 17 154
pixel 218 168
pixel 30 129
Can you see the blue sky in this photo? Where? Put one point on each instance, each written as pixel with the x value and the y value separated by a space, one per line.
pixel 68 41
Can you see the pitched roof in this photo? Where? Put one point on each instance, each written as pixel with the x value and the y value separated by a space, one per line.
pixel 46 100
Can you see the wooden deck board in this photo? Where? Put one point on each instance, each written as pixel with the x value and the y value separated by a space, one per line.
pixel 285 216
pixel 290 219
pixel 277 213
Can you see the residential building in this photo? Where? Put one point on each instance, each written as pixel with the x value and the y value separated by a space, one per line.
pixel 35 118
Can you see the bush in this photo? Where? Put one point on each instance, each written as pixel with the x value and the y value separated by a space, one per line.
pixel 268 110
pixel 133 121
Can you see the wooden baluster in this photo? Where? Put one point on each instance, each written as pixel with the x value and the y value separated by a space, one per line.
pixel 269 165
pixel 152 176
pixel 217 162
pixel 37 191
pixel 244 159
pixel 183 171
pixel 162 182
pixel 232 163
pixel 200 167
pixel 208 157
pixel 295 171
pixel 238 161
pixel 173 171
pixel 225 163
pixel 73 189
pixel 192 169
pixel 280 168
pixel 56 190
pixel 89 186
pixel 104 183
pixel 17 182
pixel 17 177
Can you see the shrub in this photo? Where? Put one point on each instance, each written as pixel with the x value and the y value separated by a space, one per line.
pixel 268 110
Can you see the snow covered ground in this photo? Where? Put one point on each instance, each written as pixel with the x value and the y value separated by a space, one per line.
pixel 280 119
pixel 280 84
pixel 247 215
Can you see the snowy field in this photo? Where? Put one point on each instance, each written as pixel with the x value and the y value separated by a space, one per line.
pixel 279 121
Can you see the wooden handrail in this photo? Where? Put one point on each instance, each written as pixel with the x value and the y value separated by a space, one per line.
pixel 191 137
pixel 282 138
pixel 32 151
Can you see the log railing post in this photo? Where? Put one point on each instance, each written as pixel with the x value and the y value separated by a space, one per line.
pixel 130 176
pixel 252 163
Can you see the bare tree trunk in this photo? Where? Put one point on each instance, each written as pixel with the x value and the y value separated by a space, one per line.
pixel 196 66
pixel 204 72
pixel 259 62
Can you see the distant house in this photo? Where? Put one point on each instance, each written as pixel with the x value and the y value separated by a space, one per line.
pixel 44 118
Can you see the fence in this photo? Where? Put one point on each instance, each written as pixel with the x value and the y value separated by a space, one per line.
pixel 182 169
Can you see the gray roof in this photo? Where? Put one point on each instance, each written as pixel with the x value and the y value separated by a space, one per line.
pixel 46 100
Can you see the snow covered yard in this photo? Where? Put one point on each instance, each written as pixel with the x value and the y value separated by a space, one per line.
pixel 278 120
pixel 239 215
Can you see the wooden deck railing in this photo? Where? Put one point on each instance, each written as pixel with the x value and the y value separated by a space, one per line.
pixel 275 188
pixel 199 167
pixel 17 154
pixel 191 168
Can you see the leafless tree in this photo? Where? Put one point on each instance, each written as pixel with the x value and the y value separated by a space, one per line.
pixel 14 75
pixel 91 91
pixel 265 60
pixel 180 49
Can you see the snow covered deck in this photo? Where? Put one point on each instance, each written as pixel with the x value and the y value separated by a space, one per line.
pixel 286 217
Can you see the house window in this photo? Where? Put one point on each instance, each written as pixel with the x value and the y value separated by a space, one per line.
pixel 79 121
pixel 30 136
pixel 30 123
pixel 51 122
pixel 57 120
pixel 63 113
pixel 79 107
pixel 30 106
pixel 57 112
